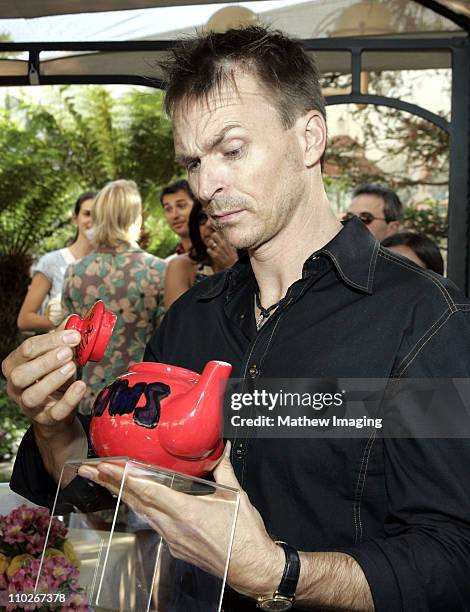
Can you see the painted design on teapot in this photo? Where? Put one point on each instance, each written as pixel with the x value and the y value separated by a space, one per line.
pixel 121 399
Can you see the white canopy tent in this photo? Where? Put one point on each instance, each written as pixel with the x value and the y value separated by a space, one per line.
pixel 28 9
pixel 313 20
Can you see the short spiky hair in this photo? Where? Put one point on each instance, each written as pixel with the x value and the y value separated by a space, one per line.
pixel 197 67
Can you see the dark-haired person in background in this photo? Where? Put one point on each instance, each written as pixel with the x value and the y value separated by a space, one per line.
pixel 177 201
pixel 378 207
pixel 371 523
pixel 417 247
pixel 41 310
pixel 209 254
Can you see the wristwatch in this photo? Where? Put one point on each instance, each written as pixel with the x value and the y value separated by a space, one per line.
pixel 283 599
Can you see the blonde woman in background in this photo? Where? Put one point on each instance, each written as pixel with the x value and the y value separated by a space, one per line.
pixel 128 280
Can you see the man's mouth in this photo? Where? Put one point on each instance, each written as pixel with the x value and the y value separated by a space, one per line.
pixel 226 216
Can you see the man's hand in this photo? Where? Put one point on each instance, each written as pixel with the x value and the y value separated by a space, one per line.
pixel 197 529
pixel 222 254
pixel 39 374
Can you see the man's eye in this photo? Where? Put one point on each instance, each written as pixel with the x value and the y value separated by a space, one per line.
pixel 193 166
pixel 233 154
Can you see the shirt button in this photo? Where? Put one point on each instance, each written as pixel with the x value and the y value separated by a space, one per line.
pixel 253 371
pixel 239 450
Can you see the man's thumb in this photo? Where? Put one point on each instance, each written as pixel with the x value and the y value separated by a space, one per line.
pixel 224 473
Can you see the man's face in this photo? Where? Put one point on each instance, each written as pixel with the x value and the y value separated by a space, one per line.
pixel 243 165
pixel 176 208
pixel 373 204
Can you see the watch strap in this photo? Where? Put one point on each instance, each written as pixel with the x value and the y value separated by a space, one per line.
pixel 290 577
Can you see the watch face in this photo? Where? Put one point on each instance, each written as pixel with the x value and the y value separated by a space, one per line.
pixel 276 605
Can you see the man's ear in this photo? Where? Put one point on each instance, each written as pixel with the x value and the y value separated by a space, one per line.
pixel 393 228
pixel 313 135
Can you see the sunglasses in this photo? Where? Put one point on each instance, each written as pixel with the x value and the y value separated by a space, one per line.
pixel 365 217
pixel 202 218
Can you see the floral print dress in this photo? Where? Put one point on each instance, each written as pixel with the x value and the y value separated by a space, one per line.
pixel 131 284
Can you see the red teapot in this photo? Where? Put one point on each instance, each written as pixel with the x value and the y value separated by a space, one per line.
pixel 163 415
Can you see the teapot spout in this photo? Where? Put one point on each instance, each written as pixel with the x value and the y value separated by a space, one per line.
pixel 215 374
pixel 191 426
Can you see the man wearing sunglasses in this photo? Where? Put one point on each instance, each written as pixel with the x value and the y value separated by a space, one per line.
pixel 378 207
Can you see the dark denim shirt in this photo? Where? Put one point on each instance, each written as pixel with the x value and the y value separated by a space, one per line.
pixel 398 506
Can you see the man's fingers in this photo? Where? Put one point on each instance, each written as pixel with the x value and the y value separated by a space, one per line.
pixel 139 487
pixel 91 472
pixel 69 401
pixel 55 365
pixel 44 409
pixel 32 348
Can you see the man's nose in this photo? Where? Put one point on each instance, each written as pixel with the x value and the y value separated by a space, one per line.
pixel 210 181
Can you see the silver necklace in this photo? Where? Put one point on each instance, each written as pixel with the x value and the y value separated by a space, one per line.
pixel 264 313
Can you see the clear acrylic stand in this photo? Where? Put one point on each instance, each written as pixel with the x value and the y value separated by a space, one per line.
pixel 124 563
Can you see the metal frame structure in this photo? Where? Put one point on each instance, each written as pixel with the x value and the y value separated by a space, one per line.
pixel 458 128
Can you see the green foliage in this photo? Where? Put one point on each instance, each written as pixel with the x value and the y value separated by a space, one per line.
pixel 13 425
pixel 128 137
pixel 32 185
pixel 417 149
pixel 150 161
pixel 33 192
pixel 51 153
pixel 150 157
pixel 407 152
pixel 428 218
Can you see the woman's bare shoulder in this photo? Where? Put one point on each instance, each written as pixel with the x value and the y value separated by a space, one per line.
pixel 181 262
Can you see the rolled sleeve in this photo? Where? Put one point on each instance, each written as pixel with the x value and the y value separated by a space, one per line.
pixel 30 478
pixel 423 563
pixel 379 574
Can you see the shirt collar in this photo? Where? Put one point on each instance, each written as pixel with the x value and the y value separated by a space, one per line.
pixel 353 252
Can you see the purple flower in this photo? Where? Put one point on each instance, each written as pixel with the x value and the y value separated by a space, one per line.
pixel 27 528
pixel 23 532
pixel 57 575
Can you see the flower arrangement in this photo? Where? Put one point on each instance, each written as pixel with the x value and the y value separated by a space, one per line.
pixel 22 538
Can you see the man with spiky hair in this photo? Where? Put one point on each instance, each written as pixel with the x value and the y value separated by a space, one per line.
pixel 367 522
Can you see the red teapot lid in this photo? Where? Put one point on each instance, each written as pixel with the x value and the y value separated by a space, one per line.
pixel 95 328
